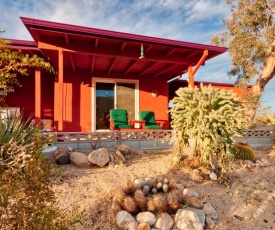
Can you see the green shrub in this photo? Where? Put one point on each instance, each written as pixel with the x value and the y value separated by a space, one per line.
pixel 26 200
pixel 243 151
pixel 210 116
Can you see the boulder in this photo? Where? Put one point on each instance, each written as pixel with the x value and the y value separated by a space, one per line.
pixel 213 176
pixel 79 159
pixel 63 159
pixel 190 218
pixel 191 192
pixel 210 211
pixel 164 222
pixel 146 217
pixel 112 159
pixel 118 157
pixel 210 223
pixel 132 226
pixel 143 226
pixel 149 182
pixel 60 151
pixel 99 157
pixel 194 202
pixel 126 150
pixel 124 219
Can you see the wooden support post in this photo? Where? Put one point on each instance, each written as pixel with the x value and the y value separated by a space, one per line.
pixel 37 106
pixel 192 72
pixel 60 90
pixel 191 77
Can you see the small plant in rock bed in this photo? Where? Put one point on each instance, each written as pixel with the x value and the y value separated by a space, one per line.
pixel 211 117
pixel 136 200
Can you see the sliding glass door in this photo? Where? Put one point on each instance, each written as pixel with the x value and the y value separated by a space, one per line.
pixel 104 102
pixel 109 95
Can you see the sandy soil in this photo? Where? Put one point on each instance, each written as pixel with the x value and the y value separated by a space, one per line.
pixel 244 199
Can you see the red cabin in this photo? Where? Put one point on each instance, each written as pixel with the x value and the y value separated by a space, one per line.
pixel 98 70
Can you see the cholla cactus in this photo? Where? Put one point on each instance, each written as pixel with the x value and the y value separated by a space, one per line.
pixel 210 116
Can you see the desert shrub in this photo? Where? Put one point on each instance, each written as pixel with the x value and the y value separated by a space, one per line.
pixel 262 116
pixel 210 116
pixel 26 200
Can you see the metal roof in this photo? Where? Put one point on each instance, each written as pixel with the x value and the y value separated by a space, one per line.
pixel 109 53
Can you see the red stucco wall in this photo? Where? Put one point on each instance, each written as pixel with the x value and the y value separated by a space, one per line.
pixel 24 95
pixel 157 104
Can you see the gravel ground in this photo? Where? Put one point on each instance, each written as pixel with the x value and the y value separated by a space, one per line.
pixel 245 201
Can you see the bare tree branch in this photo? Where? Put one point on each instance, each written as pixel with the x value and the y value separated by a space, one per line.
pixel 272 10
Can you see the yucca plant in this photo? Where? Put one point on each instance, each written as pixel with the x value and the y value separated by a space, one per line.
pixel 17 130
pixel 26 199
pixel 17 138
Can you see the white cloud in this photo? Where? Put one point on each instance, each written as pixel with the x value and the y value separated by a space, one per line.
pixel 207 9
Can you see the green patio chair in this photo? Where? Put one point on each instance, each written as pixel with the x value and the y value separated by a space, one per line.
pixel 150 121
pixel 119 119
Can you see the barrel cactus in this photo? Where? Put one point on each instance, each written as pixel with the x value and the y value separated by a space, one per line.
pixel 243 151
pixel 140 199
pixel 130 205
pixel 160 202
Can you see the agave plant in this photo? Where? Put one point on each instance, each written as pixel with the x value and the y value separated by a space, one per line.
pixel 17 140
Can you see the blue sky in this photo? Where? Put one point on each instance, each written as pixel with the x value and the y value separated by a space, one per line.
pixel 185 20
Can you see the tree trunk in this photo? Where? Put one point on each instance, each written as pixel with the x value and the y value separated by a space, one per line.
pixel 258 88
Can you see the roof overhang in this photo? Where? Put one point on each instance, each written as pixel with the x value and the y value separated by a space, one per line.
pixel 110 53
pixel 29 47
